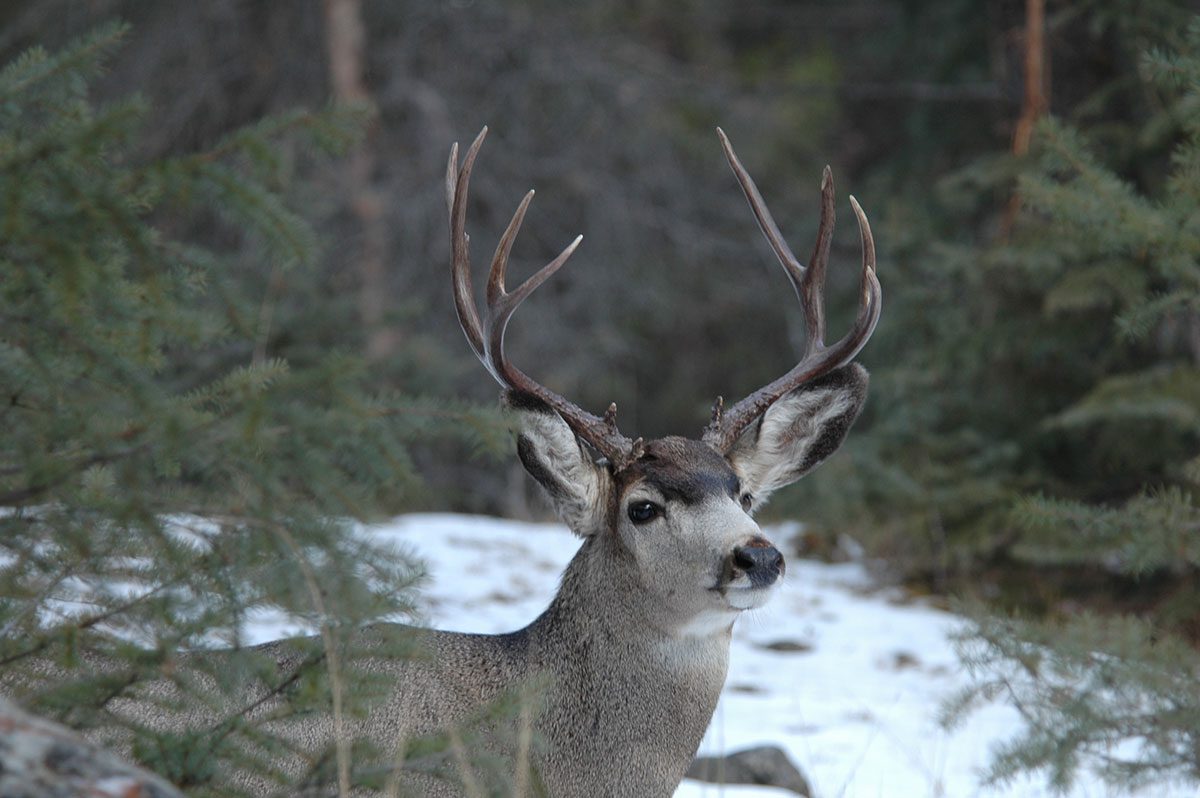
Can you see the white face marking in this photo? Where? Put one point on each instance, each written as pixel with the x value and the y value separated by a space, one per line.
pixel 682 557
pixel 750 598
pixel 709 622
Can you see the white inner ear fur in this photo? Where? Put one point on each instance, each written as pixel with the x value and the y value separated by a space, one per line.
pixel 555 458
pixel 776 451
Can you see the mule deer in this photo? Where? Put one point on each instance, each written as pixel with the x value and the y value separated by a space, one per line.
pixel 634 647
pixel 630 657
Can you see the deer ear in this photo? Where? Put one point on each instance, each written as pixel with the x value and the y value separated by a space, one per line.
pixel 798 432
pixel 576 484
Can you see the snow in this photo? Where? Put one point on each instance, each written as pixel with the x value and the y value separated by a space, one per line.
pixel 854 701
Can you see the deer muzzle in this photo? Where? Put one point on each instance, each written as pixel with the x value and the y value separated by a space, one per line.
pixel 760 561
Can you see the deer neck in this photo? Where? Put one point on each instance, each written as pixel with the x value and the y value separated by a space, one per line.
pixel 601 594
pixel 644 694
pixel 602 623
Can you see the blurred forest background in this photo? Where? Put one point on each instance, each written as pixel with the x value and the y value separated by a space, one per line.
pixel 1031 172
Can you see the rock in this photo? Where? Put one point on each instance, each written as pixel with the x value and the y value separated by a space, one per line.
pixel 787 646
pixel 40 759
pixel 766 765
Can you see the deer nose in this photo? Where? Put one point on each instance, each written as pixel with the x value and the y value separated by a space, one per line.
pixel 760 561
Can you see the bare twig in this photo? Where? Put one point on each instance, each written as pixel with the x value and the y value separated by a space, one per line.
pixel 524 746
pixel 335 676
pixel 393 781
pixel 466 773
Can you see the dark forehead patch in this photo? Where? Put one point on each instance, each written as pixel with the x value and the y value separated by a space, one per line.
pixel 682 469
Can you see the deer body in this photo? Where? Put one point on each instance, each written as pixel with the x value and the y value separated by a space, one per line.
pixel 623 710
pixel 629 659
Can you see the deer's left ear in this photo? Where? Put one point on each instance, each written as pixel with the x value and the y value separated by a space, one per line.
pixel 576 485
pixel 798 432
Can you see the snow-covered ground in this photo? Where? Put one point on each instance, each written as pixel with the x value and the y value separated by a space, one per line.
pixel 846 678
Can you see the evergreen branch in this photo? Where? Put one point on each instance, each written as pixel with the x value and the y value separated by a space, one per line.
pixel 32 604
pixel 84 55
pixel 335 127
pixel 1138 321
pixel 112 316
pixel 341 741
pixel 81 625
pixel 18 498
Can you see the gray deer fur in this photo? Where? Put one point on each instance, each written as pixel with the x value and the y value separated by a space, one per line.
pixel 629 659
pixel 632 651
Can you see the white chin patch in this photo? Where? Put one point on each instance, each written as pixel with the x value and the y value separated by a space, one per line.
pixel 750 598
pixel 709 622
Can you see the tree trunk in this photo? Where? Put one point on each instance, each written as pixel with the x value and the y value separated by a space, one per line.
pixel 1036 101
pixel 346 42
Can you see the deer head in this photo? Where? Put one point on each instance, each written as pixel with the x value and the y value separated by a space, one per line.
pixel 678 511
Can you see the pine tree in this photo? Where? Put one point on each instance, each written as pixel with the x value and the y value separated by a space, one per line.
pixel 164 475
pixel 992 334
pixel 1121 462
pixel 1032 437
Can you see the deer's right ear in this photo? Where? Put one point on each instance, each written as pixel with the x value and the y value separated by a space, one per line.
pixel 798 432
pixel 576 484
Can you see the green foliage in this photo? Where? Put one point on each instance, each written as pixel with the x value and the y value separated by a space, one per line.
pixel 164 472
pixel 1153 532
pixel 1037 422
pixel 1055 356
pixel 1045 415
pixel 1109 694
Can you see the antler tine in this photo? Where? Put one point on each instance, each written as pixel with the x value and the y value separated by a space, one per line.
pixel 451 181
pixel 600 433
pixel 812 288
pixel 460 264
pixel 818 359
pixel 501 304
pixel 495 284
pixel 868 249
pixel 766 222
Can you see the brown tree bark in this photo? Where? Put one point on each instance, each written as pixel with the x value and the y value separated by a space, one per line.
pixel 1036 99
pixel 346 43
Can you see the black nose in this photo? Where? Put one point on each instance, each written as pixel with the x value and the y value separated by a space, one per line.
pixel 761 561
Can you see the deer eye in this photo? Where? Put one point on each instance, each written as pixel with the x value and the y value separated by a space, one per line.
pixel 644 512
pixel 747 501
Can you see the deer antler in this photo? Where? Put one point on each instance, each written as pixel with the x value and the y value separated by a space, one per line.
pixel 600 433
pixel 809 284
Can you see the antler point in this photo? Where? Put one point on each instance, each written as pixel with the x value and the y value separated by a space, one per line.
pixel 717 409
pixel 486 335
pixel 478 142
pixel 725 143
